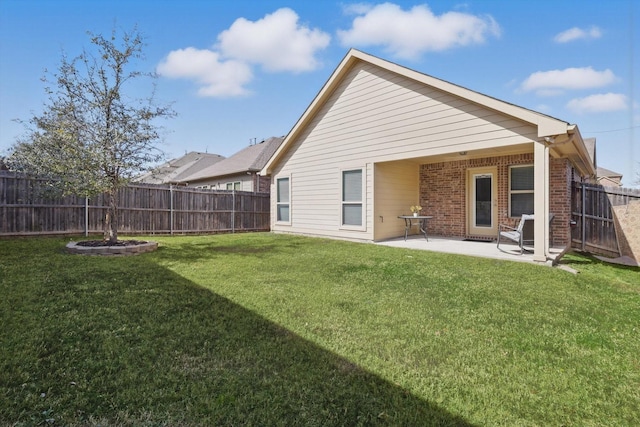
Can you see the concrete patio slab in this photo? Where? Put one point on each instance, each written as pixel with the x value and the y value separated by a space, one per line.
pixel 460 246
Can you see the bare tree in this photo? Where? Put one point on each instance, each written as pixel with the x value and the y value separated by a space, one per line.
pixel 94 134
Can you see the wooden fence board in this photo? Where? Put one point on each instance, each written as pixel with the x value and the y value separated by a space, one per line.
pixel 595 229
pixel 27 209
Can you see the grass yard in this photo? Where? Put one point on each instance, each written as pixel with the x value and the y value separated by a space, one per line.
pixel 275 330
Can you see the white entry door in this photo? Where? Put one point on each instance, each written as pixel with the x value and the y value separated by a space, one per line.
pixel 482 202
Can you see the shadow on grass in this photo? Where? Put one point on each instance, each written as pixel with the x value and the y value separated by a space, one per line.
pixel 250 245
pixel 576 257
pixel 131 343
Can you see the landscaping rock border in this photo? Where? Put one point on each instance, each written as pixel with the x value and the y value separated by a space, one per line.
pixel 132 249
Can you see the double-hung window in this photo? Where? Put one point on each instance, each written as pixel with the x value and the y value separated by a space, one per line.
pixel 283 199
pixel 352 209
pixel 520 190
pixel 234 186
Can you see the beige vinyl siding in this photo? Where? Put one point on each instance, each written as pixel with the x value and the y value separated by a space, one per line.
pixel 316 207
pixel 376 116
pixel 396 189
pixel 246 182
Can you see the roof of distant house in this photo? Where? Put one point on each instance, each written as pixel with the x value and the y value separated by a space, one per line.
pixel 249 159
pixel 174 170
pixel 602 172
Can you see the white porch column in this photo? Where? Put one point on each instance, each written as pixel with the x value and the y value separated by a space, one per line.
pixel 541 201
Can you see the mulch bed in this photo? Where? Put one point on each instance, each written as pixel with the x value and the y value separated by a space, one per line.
pixel 101 243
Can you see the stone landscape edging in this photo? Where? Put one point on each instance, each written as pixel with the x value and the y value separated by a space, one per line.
pixel 74 248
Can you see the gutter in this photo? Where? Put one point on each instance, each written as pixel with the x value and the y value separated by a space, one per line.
pixel 583 160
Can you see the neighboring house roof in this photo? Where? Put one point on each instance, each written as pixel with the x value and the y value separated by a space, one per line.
pixel 563 137
pixel 250 159
pixel 608 176
pixel 608 173
pixel 174 170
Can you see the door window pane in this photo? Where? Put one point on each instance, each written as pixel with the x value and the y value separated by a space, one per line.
pixel 483 201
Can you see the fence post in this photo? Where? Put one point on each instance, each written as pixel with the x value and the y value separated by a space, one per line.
pixel 86 216
pixel 233 211
pixel 171 209
pixel 583 191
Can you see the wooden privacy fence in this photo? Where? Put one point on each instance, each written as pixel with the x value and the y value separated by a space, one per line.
pixel 26 209
pixel 595 229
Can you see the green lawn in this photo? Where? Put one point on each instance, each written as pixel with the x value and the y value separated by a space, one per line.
pixel 268 330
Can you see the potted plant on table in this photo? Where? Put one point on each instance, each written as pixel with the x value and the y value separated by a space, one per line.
pixel 416 209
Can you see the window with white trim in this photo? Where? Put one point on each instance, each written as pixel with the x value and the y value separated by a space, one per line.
pixel 352 209
pixel 520 190
pixel 283 199
pixel 234 186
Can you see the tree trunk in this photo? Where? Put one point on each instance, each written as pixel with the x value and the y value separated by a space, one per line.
pixel 111 218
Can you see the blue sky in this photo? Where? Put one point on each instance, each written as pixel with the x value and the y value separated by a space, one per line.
pixel 239 70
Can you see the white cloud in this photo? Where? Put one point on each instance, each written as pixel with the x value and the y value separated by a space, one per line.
pixel 576 33
pixel 216 77
pixel 356 8
pixel 555 81
pixel 408 34
pixel 544 108
pixel 599 103
pixel 277 42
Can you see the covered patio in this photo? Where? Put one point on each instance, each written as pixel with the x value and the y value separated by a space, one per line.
pixel 460 246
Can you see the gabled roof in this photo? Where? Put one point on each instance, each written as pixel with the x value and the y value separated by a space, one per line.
pixel 175 169
pixel 555 129
pixel 250 159
pixel 602 172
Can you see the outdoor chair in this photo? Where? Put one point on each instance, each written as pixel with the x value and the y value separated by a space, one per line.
pixel 523 234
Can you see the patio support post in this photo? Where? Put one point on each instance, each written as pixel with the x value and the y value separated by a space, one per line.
pixel 541 201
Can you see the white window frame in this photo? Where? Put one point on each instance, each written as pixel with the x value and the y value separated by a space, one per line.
pixel 362 202
pixel 511 192
pixel 279 203
pixel 233 185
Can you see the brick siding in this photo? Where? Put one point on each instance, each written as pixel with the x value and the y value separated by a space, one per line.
pixel 443 193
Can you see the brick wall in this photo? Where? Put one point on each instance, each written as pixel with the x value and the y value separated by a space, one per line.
pixel 560 177
pixel 443 193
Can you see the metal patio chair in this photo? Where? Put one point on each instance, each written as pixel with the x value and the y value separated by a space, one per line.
pixel 522 234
